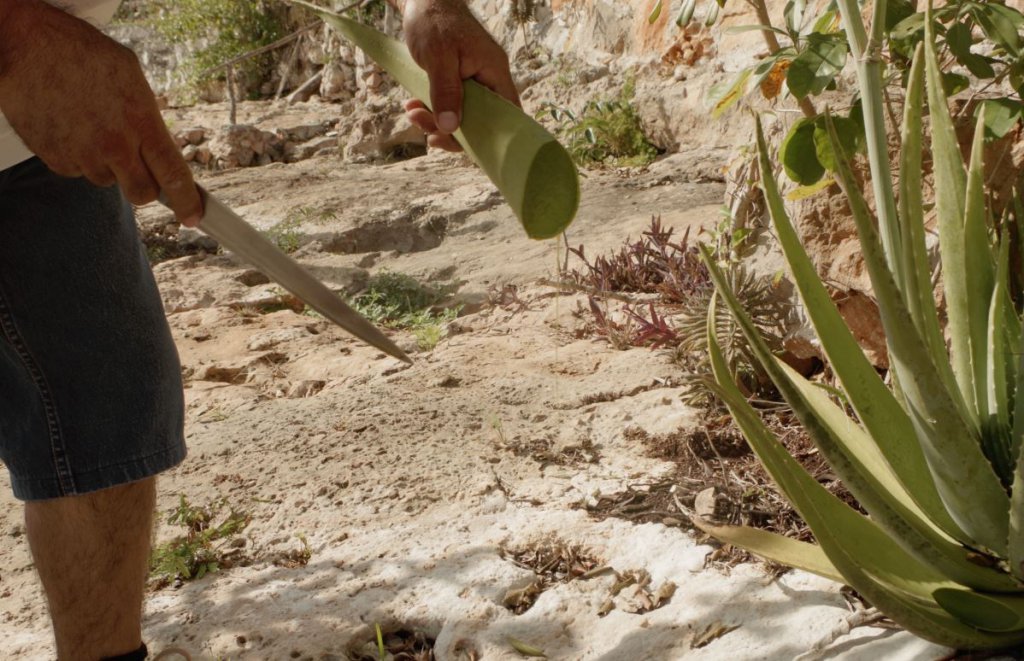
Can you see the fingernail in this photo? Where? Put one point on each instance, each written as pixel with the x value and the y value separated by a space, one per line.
pixel 448 121
pixel 192 221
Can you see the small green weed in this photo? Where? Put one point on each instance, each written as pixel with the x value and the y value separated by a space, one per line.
pixel 397 300
pixel 605 133
pixel 372 12
pixel 429 329
pixel 285 234
pixel 381 652
pixel 156 253
pixel 495 423
pixel 306 552
pixel 201 550
pixel 394 298
pixel 567 77
pixel 395 644
pixel 129 13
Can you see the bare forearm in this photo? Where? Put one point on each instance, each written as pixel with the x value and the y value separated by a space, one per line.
pixel 6 7
pixel 81 103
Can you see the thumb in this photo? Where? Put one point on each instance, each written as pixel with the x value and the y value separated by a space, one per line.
pixel 446 92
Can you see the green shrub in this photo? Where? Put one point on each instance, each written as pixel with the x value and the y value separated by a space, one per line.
pixel 228 28
pixel 977 40
pixel 605 133
pixel 397 300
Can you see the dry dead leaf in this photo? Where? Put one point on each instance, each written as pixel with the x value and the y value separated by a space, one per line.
pixel 710 633
pixel 771 84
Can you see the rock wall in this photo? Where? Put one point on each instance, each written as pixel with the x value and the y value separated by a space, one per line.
pixel 675 70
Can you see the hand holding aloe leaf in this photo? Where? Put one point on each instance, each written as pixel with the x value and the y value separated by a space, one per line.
pixel 936 460
pixel 472 54
pixel 531 169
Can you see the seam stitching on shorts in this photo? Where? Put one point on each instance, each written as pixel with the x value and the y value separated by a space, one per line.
pixel 65 479
pixel 137 462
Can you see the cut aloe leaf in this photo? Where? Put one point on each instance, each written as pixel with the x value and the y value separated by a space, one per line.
pixel 529 166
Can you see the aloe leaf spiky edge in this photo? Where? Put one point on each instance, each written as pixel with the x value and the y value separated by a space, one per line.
pixel 918 285
pixel 911 529
pixel 965 479
pixel 868 559
pixel 979 268
pixel 875 405
pixel 847 450
pixel 996 433
pixel 1015 543
pixel 950 203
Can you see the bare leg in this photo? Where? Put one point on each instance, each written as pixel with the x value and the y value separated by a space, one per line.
pixel 92 555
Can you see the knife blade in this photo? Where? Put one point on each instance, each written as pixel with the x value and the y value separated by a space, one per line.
pixel 231 231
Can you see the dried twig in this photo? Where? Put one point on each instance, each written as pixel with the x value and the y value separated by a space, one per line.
pixel 287 72
pixel 263 49
pixel 312 82
pixel 859 618
pixel 586 289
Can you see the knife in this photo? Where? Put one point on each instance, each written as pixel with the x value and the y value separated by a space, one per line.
pixel 232 232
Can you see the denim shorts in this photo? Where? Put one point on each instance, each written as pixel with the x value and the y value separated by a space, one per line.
pixel 90 383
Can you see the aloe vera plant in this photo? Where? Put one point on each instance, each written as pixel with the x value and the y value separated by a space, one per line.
pixel 935 460
pixel 532 170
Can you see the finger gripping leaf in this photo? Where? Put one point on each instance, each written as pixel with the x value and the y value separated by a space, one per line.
pixel 528 165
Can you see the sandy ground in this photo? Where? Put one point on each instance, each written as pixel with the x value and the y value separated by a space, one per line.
pixel 416 487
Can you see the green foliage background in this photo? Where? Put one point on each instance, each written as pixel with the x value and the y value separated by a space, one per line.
pixel 605 132
pixel 227 29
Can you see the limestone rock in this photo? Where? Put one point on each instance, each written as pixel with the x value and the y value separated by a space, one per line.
pixel 300 152
pixel 194 135
pixel 381 130
pixel 203 155
pixel 338 82
pixel 305 388
pixel 242 145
